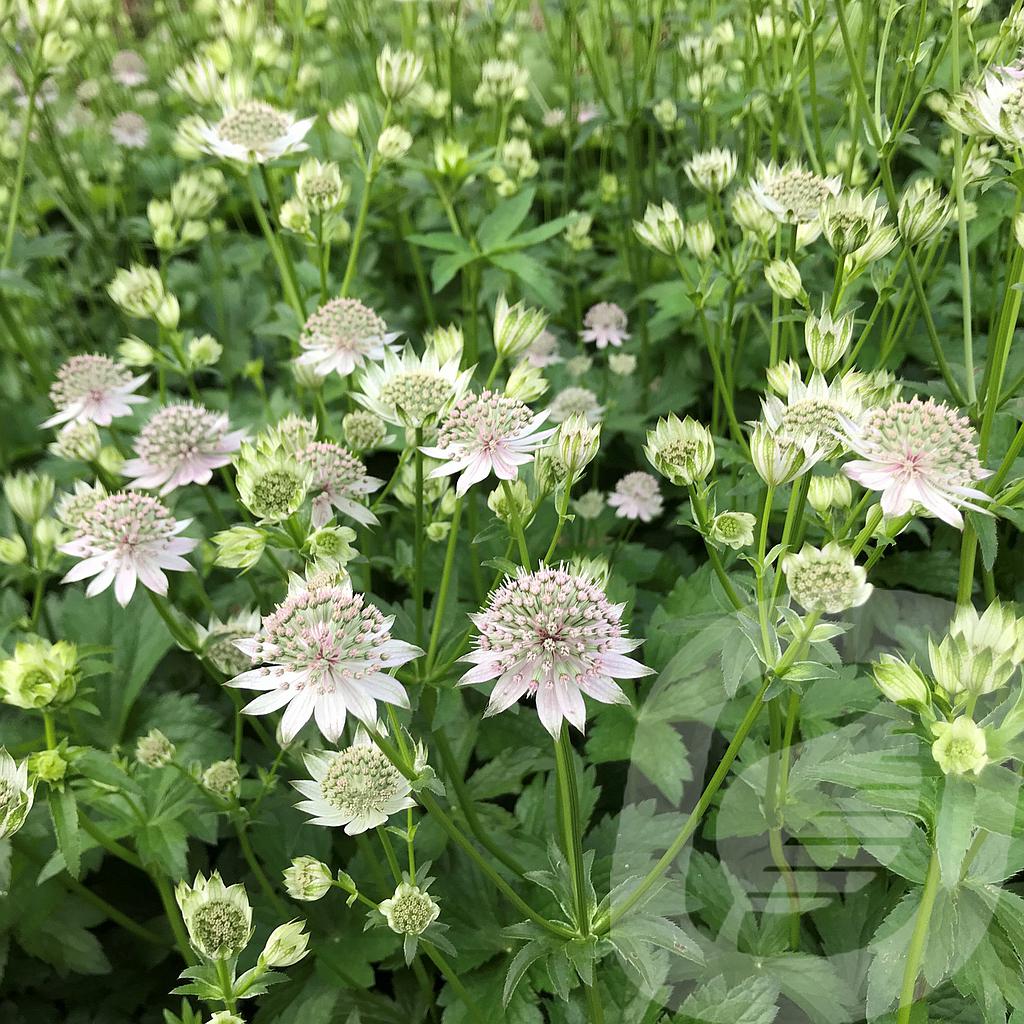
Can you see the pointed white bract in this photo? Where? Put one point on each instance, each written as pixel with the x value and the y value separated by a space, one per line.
pixel 324 653
pixel 555 636
pixel 126 538
pixel 254 132
pixel 343 335
pixel 339 481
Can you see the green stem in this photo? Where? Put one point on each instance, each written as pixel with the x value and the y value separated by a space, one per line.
pixel 284 270
pixel 572 840
pixel 173 915
pixel 254 866
pixel 517 525
pixel 446 579
pixel 701 514
pixel 563 511
pixel 19 171
pixel 226 985
pixel 418 546
pixel 918 941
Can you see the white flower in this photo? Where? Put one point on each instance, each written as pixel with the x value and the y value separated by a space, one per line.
pixel 339 479
pixel 255 132
pixel 826 580
pixel 181 444
pixel 636 496
pixel 358 788
pixel 711 171
pixel 411 390
pixel 484 434
pixel 124 538
pixel 918 453
pixel 605 324
pixel 93 389
pixel 323 652
pixel 130 130
pixel 218 917
pixel 573 400
pixel 343 335
pixel 814 416
pixel 127 68
pixel 544 351
pixel 556 636
pixel 792 194
pixel 16 795
pixel 410 911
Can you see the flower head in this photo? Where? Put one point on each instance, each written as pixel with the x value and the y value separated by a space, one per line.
pixel 217 641
pixel 16 795
pixel 813 416
pixel 661 228
pixel 732 529
pixel 711 171
pixel 138 290
pixel 129 129
pixel 605 324
pixel 555 636
pixel 181 444
pixel 93 389
pixel 40 674
pixel 324 652
pixel 854 225
pixel 255 132
pixel 681 450
pixel 777 458
pixel 222 779
pixel 124 538
pixel 358 788
pixel 980 653
pixel 516 327
pixel 343 335
pixel 636 496
pixel 960 746
pixel 272 483
pixel 826 579
pixel 827 338
pixel 411 390
pixel 484 434
pixel 218 917
pixel 127 68
pixel 154 750
pixel 995 109
pixel 572 400
pixel 921 453
pixel 339 481
pixel 307 879
pixel 411 910
pixel 792 194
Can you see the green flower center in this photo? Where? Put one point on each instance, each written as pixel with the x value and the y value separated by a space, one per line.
pixel 412 912
pixel 253 125
pixel 219 925
pixel 416 394
pixel 276 493
pixel 360 780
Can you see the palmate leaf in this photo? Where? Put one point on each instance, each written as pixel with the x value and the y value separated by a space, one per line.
pixel 750 1002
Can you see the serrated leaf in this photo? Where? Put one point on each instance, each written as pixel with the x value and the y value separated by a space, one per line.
pixel 64 812
pixel 954 826
pixel 499 225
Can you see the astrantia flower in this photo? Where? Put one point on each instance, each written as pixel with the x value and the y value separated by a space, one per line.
pixel 358 788
pixel 960 747
pixel 182 444
pixel 777 458
pixel 636 496
pixel 130 130
pixel 711 171
pixel 814 416
pixel 995 109
pixel 555 636
pixel 575 400
pixel 605 324
pixel 40 674
pixel 324 653
pixel 411 910
pixel 217 641
pixel 255 132
pixel 484 434
pixel 792 194
pixel 544 351
pixel 93 389
pixel 680 449
pixel 732 529
pixel 342 335
pixel 125 538
pixel 308 879
pixel 826 580
pixel 127 68
pixel 980 653
pixel 218 917
pixel 272 484
pixel 16 795
pixel 339 480
pixel 411 390
pixel 921 453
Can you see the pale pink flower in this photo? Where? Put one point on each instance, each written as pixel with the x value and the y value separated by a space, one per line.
pixel 322 653
pixel 605 324
pixel 181 444
pixel 922 453
pixel 339 482
pixel 484 434
pixel 130 130
pixel 93 389
pixel 342 335
pixel 587 112
pixel 636 496
pixel 127 68
pixel 555 636
pixel 572 400
pixel 544 351
pixel 125 538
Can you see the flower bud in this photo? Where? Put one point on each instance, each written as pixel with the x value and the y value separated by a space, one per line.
pixel 294 216
pixel 661 228
pixel 778 461
pixel 683 451
pixel 204 351
pixel 241 547
pixel 901 683
pixel 451 158
pixel 12 550
pixel 960 746
pixel 16 795
pixel 307 879
pixel 47 766
pixel 826 339
pixel 732 529
pixel 577 443
pixel 622 364
pixel 447 342
pixel 154 750
pixel 345 119
pixel 700 239
pixel 222 779
pixel 286 945
pixel 782 376
pixel 40 674
pixel 29 495
pixel 784 279
pixel 394 143
pixel 333 542
pixel 498 502
pixel 828 492
pixel 398 71
pixel 526 382
pixel 516 327
pixel 168 313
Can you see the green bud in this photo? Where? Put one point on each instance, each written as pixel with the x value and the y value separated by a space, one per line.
pixel 47 766
pixel 40 674
pixel 900 682
pixel 308 879
pixel 241 547
pixel 960 746
pixel 286 945
pixel 29 495
pixel 154 750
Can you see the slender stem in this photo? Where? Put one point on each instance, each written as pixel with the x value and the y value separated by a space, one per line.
pixel 19 171
pixel 517 524
pixel 592 994
pixel 701 514
pixel 173 915
pixel 918 941
pixel 418 538
pixel 563 511
pixel 50 729
pixel 226 985
pixel 572 840
pixel 254 866
pixel 446 579
pixel 285 272
pixel 453 979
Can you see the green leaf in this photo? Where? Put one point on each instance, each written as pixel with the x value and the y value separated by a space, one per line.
pixel 988 540
pixel 520 964
pixel 534 276
pixel 750 1002
pixel 64 811
pixel 446 267
pixel 502 221
pixel 444 241
pixel 953 827
pixel 541 233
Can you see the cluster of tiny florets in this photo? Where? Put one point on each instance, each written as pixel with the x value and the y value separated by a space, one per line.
pixel 343 324
pixel 253 125
pixel 483 419
pixel 417 393
pixel 360 781
pixel 87 376
pixel 219 924
pixel 334 468
pixel 179 432
pixel 575 399
pixel 412 912
pixel 125 521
